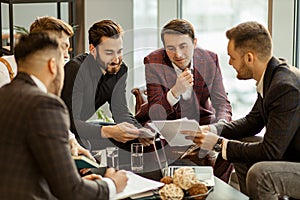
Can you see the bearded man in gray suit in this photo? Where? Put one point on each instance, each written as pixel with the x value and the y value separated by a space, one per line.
pixel 34 131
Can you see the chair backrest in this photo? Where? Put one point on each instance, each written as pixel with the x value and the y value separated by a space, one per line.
pixel 141 105
pixel 9 68
pixel 140 94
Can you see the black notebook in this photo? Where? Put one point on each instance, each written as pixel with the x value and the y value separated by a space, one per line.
pixel 84 162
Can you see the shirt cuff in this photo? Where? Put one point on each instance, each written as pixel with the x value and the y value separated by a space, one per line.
pixel 171 99
pixel 224 149
pixel 111 187
pixel 213 129
pixel 71 135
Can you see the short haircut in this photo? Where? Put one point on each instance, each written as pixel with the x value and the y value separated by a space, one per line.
pixel 51 24
pixel 102 28
pixel 251 36
pixel 178 26
pixel 33 43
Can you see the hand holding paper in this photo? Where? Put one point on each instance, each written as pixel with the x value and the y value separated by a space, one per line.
pixel 204 139
pixel 171 130
pixel 146 133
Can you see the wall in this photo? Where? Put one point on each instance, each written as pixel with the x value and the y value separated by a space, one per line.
pixel 282 29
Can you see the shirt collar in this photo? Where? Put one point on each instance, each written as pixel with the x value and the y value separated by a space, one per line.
pixel 39 83
pixel 178 70
pixel 260 85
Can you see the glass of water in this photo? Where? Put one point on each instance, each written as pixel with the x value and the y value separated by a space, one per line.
pixel 112 157
pixel 137 161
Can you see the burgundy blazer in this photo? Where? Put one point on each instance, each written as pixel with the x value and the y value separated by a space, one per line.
pixel 209 97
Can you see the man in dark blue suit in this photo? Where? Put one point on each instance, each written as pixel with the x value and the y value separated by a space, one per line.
pixel 277 107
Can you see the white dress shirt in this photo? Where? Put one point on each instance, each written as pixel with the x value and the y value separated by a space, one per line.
pixel 187 94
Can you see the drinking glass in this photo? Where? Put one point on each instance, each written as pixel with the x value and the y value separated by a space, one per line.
pixel 137 161
pixel 112 157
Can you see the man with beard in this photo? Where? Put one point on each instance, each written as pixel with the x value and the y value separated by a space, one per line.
pixel 63 32
pixel 34 131
pixel 277 106
pixel 96 78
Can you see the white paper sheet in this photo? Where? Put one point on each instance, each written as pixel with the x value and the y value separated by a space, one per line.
pixel 170 130
pixel 137 184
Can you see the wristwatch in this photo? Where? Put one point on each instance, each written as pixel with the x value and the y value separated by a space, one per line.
pixel 218 145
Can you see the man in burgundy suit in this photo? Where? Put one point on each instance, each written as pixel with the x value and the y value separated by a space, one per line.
pixel 184 80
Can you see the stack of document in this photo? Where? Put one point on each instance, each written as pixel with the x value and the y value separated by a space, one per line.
pixel 136 185
pixel 170 130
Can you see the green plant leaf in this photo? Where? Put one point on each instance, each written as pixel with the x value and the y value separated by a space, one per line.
pixel 21 30
pixel 101 115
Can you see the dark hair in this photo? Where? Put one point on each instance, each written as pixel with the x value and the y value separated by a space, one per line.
pixel 32 43
pixel 178 26
pixel 51 24
pixel 106 28
pixel 251 36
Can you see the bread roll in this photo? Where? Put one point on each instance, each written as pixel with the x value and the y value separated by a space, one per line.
pixel 185 177
pixel 171 192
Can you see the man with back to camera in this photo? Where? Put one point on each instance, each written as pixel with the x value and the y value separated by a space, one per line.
pixel 186 81
pixel 63 32
pixel 277 106
pixel 38 162
pixel 96 78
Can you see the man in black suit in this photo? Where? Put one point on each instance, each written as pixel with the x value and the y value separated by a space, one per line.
pixel 277 107
pixel 36 158
pixel 95 79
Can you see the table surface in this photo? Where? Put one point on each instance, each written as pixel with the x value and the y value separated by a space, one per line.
pixel 221 191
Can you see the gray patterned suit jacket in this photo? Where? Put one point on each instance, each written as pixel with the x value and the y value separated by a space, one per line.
pixel 36 161
pixel 278 111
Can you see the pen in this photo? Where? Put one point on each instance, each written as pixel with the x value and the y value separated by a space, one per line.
pixel 189 150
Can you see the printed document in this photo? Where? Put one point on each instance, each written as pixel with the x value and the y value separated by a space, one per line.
pixel 137 184
pixel 170 130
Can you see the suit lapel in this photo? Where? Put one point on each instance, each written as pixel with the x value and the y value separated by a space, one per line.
pixel 271 68
pixel 169 72
pixel 268 76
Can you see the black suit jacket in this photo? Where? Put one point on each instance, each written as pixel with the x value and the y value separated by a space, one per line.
pixel 278 111
pixel 82 75
pixel 36 161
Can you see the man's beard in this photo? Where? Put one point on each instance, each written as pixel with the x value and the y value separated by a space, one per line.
pixel 105 66
pixel 246 73
pixel 56 85
pixel 116 67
